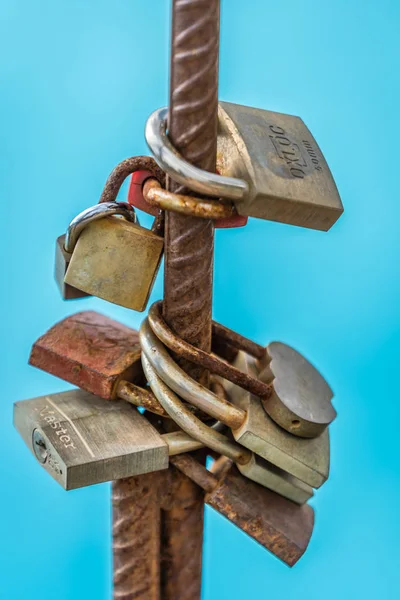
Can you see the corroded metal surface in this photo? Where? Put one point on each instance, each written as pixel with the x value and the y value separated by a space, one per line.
pixel 189 247
pixel 90 351
pixel 140 397
pixel 192 124
pixel 136 537
pixel 238 341
pixel 181 538
pixel 276 523
pixel 126 168
pixel 184 204
pixel 205 359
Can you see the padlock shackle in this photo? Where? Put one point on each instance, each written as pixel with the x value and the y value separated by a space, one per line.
pixel 126 168
pixel 94 213
pixel 189 422
pixel 181 383
pixel 173 163
pixel 213 363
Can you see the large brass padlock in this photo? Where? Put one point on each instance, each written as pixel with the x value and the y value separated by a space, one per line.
pixel 288 176
pixel 116 260
pixel 268 164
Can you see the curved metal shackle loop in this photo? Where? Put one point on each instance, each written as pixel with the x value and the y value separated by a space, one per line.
pixel 94 213
pixel 123 170
pixel 210 361
pixel 181 383
pixel 189 422
pixel 170 161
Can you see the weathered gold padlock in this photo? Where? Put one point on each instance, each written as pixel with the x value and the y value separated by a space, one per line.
pixel 268 164
pixel 116 260
pixel 66 243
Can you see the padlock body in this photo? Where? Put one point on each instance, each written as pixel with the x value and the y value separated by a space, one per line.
pixel 301 399
pixel 275 522
pixel 117 261
pixel 90 351
pixel 61 264
pixel 307 459
pixel 86 440
pixel 289 178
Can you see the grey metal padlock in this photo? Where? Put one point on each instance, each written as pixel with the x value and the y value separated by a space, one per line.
pixel 81 439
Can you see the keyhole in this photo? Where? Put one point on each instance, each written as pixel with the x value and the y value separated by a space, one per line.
pixel 39 446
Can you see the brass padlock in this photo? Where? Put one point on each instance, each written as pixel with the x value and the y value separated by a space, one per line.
pixel 268 164
pixel 307 459
pixel 116 260
pixel 65 244
pixel 289 178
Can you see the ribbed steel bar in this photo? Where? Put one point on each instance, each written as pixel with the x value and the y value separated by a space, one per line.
pixel 189 248
pixel 192 128
pixel 136 537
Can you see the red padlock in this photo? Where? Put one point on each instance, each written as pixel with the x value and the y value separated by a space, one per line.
pixel 136 199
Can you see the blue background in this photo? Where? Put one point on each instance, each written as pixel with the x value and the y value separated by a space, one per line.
pixel 78 80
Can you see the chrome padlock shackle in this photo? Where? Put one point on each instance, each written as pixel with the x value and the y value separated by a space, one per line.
pixel 94 213
pixel 170 161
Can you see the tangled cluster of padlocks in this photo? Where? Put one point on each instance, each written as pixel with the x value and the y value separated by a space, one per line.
pixel 267 409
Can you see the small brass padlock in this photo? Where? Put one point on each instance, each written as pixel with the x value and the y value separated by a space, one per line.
pixel 66 243
pixel 116 260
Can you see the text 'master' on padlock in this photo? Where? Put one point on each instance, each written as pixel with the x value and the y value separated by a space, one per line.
pixel 81 439
pixel 90 351
pixel 289 178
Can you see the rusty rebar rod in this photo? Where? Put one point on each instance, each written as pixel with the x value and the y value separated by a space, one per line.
pixel 136 537
pixel 189 249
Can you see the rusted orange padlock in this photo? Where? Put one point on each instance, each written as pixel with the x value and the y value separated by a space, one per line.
pixel 136 199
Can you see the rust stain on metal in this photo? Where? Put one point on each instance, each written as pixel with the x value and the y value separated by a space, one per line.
pixel 186 205
pixel 205 359
pixel 181 538
pixel 136 537
pixel 237 341
pixel 276 523
pixel 192 125
pixel 90 351
pixel 126 168
pixel 140 397
pixel 189 248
